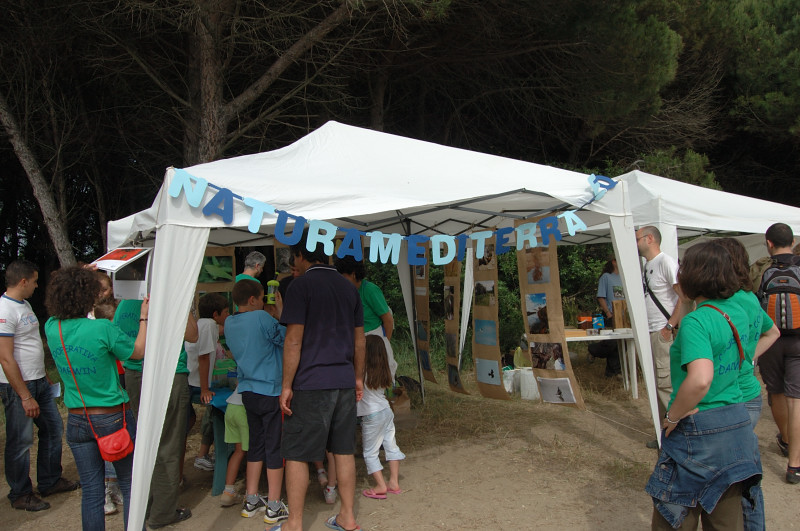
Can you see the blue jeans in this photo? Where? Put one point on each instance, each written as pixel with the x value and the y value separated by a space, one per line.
pixel 753 408
pixel 19 439
pixel 753 500
pixel 91 467
pixel 377 429
pixel 705 454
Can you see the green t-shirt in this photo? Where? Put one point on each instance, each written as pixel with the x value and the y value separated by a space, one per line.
pixel 93 346
pixel 374 305
pixel 759 324
pixel 127 319
pixel 705 334
pixel 181 367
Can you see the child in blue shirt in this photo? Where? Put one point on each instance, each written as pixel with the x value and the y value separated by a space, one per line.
pixel 255 338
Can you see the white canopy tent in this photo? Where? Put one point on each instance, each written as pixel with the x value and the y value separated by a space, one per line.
pixel 372 181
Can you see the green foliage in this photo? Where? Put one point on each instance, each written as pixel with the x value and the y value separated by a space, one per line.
pixel 689 167
pixel 767 71
pixel 580 267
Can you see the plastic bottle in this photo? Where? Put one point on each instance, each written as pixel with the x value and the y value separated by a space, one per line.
pixel 272 289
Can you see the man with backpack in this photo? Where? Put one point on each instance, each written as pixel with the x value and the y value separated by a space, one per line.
pixel 779 293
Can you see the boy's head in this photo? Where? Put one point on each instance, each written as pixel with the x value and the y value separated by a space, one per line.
pixel 350 266
pixel 213 306
pixel 105 308
pixel 248 295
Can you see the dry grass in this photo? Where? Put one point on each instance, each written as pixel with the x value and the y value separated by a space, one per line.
pixel 545 436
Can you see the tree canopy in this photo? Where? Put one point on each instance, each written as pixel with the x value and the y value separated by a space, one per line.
pixel 97 98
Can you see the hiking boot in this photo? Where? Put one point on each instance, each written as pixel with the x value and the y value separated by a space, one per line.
pixel 273 517
pixel 249 509
pixel 62 485
pixel 227 499
pixel 792 475
pixel 204 463
pixel 783 446
pixel 30 502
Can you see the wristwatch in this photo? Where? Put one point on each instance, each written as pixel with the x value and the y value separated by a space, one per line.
pixel 669 327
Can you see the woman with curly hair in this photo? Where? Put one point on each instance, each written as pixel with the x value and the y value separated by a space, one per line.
pixel 92 348
pixel 709 456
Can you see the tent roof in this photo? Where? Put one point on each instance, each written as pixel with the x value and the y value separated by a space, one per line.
pixel 369 180
pixel 365 179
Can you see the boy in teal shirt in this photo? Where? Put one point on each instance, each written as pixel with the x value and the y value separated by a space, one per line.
pixel 255 338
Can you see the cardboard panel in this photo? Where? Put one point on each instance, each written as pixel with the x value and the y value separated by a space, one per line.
pixel 218 271
pixel 485 339
pixel 543 316
pixel 452 318
pixel 422 321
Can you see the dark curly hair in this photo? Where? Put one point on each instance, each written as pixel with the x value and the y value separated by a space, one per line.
pixel 707 270
pixel 71 292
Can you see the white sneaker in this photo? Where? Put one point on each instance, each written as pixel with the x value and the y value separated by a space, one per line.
pixel 113 490
pixel 227 498
pixel 249 509
pixel 204 463
pixel 109 507
pixel 273 517
pixel 330 494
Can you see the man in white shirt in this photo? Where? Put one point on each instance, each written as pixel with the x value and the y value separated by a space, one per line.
pixel 662 297
pixel 26 394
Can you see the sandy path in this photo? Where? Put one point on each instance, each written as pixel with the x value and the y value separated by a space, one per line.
pixel 561 469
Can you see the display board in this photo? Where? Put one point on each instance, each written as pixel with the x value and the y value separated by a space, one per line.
pixel 218 270
pixel 422 322
pixel 485 339
pixel 452 309
pixel 540 297
pixel 283 260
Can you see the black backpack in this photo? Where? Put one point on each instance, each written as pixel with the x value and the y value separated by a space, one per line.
pixel 780 295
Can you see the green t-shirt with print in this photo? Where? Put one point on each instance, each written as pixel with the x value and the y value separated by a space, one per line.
pixel 760 323
pixel 374 304
pixel 127 319
pixel 93 346
pixel 705 334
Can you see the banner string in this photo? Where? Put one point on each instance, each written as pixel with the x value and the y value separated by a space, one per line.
pixel 620 423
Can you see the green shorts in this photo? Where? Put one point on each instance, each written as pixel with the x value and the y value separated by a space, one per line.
pixel 236 430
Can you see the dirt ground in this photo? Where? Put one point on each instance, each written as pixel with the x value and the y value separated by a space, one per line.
pixel 476 463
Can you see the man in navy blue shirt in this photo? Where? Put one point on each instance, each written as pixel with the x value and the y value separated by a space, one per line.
pixel 323 372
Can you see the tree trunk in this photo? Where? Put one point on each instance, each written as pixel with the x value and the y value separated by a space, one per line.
pixel 213 125
pixel 42 192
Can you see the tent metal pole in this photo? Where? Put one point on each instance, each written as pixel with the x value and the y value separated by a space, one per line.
pixel 407 226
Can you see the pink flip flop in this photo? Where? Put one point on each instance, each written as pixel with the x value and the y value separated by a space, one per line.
pixel 369 493
pixel 398 491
